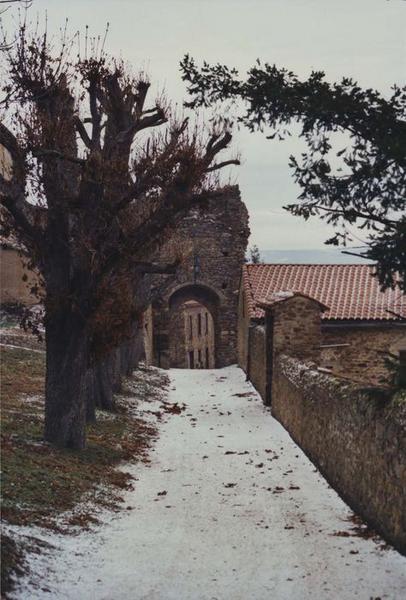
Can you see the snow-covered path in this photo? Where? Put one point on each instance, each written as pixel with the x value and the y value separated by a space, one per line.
pixel 228 509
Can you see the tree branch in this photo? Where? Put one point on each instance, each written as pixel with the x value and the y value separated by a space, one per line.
pixel 83 133
pixel 356 213
pixel 43 152
pixel 151 120
pixel 26 216
pixel 95 113
pixel 354 254
pixel 225 163
pixel 12 187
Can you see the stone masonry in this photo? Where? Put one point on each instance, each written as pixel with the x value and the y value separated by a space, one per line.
pixel 360 352
pixel 210 242
pixel 355 436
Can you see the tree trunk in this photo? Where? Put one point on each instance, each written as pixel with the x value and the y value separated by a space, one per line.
pixel 66 370
pixel 91 391
pixel 116 379
pixel 132 351
pixel 103 383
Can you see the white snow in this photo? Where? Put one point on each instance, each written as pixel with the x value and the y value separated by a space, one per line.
pixel 222 530
pixel 21 348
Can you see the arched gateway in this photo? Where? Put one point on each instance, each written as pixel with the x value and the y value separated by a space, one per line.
pixel 193 327
pixel 193 321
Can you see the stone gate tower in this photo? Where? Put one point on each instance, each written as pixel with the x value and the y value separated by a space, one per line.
pixel 194 318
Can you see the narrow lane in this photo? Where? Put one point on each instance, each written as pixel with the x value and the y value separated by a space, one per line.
pixel 229 508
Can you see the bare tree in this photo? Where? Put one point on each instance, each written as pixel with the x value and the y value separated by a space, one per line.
pixel 102 201
pixel 5 5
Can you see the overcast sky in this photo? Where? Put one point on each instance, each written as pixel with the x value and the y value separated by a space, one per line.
pixel 365 39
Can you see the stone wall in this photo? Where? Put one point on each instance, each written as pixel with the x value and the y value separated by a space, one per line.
pixel 243 326
pixel 257 367
pixel 210 242
pixel 296 327
pixel 355 436
pixel 359 352
pixel 13 289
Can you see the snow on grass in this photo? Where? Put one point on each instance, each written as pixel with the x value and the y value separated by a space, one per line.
pixel 228 508
pixel 60 489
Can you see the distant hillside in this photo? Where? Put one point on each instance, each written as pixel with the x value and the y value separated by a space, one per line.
pixel 330 255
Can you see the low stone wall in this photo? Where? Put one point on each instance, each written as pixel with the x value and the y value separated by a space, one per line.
pixel 257 372
pixel 356 436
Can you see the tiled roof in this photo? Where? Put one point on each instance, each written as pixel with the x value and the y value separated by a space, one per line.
pixel 278 297
pixel 349 291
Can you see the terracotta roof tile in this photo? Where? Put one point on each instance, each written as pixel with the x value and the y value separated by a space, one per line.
pixel 350 291
pixel 278 297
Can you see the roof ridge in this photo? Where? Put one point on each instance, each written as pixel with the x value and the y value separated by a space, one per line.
pixel 270 264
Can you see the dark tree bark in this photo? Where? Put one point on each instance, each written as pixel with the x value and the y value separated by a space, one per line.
pixel 91 400
pixel 107 381
pixel 66 371
pixel 100 387
pixel 132 351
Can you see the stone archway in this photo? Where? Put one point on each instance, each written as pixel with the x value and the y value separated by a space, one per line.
pixel 209 246
pixel 193 327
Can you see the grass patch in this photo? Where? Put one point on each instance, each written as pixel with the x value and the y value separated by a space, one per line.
pixel 41 482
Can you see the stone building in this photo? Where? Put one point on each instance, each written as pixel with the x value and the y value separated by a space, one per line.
pixel 359 324
pixel 193 321
pixel 353 432
pixel 16 280
pixel 199 336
